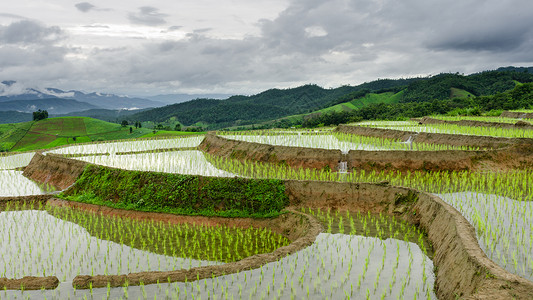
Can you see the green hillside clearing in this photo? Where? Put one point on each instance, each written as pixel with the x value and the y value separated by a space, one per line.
pixel 55 132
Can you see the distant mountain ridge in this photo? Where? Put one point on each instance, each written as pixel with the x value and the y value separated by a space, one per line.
pixel 178 98
pixel 12 91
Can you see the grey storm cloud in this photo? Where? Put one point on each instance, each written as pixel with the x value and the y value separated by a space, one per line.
pixel 148 15
pixel 330 43
pixel 84 6
pixel 29 32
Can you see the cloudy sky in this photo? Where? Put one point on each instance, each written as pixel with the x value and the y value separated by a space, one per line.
pixel 143 47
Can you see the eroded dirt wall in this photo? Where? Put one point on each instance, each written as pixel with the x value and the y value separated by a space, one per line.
pixel 54 170
pixel 292 156
pixel 462 268
pixel 430 138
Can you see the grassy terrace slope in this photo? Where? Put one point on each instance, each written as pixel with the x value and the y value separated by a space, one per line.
pixel 179 194
pixel 55 132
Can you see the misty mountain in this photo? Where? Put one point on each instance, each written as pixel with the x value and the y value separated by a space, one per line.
pixel 13 91
pixel 103 114
pixel 52 105
pixel 14 117
pixel 178 98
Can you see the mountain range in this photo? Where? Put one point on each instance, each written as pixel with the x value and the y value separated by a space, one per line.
pixel 214 111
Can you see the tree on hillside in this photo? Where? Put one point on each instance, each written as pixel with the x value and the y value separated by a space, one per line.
pixel 124 123
pixel 40 115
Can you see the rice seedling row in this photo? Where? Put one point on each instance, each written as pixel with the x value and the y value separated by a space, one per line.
pixel 504 228
pixel 464 130
pixel 480 119
pixel 334 140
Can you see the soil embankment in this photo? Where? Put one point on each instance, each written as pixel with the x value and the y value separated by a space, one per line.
pixel 517 156
pixel 517 125
pixel 29 283
pixel 291 156
pixel 54 170
pixel 516 115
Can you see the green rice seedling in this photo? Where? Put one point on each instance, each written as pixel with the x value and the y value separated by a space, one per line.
pixel 464 130
pixel 332 140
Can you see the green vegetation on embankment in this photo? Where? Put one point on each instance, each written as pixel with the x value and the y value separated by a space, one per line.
pixel 179 194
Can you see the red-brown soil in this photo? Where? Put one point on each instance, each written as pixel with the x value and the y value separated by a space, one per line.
pixel 28 200
pixel 54 170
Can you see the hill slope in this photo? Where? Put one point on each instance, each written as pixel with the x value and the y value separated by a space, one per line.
pixel 297 102
pixel 54 132
pixel 268 105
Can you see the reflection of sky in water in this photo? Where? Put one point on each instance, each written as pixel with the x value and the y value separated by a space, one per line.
pixel 182 162
pixel 15 161
pixel 13 184
pixel 504 228
pixel 131 146
pixel 307 141
pixel 333 267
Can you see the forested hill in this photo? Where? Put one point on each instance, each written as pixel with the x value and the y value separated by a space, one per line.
pixel 268 105
pixel 278 103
